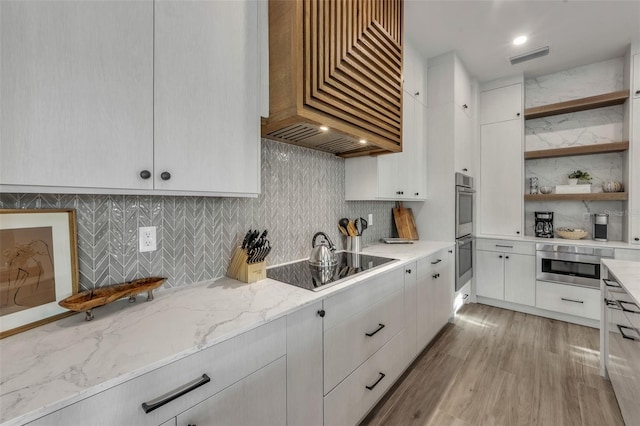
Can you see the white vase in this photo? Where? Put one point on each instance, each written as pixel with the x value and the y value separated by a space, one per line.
pixel 573 181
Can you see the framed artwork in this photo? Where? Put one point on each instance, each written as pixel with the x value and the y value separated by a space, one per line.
pixel 38 267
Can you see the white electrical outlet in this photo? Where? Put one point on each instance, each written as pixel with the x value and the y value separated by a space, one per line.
pixel 147 238
pixel 370 219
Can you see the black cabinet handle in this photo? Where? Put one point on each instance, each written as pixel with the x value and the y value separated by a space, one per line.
pixel 436 262
pixel 145 174
pixel 435 276
pixel 321 313
pixel 518 232
pixel 636 239
pixel 612 304
pixel 518 114
pixel 506 257
pixel 408 271
pixel 450 251
pixel 381 376
pixel 417 193
pixel 626 336
pixel 380 327
pixel 637 92
pixel 417 94
pixel 465 106
pixel 500 257
pixel 465 170
pixel 174 394
pixel 571 300
pixel 165 175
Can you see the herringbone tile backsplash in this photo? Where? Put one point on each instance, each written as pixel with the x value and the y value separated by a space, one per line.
pixel 302 193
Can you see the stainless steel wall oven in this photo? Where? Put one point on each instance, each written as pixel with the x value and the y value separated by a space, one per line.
pixel 465 195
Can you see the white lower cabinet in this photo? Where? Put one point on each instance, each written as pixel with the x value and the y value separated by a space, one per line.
pixel 259 399
pixel 410 311
pixel 568 299
pixel 224 364
pixel 359 322
pixel 506 271
pixel 434 296
pixel 350 401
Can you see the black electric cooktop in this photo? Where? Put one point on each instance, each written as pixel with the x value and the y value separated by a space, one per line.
pixel 301 274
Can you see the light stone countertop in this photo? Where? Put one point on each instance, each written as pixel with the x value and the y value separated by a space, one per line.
pixel 57 364
pixel 627 274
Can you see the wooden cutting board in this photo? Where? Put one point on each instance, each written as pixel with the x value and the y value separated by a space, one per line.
pixel 405 224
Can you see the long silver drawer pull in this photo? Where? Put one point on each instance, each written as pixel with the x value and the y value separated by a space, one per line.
pixel 380 327
pixel 174 394
pixel 626 336
pixel 381 376
pixel 500 245
pixel 436 262
pixel 571 300
pixel 633 311
pixel 611 283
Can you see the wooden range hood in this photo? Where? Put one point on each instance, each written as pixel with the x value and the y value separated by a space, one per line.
pixel 336 63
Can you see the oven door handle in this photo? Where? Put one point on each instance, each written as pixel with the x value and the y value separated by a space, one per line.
pixel 464 241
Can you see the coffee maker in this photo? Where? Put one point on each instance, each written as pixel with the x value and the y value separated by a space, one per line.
pixel 544 224
pixel 600 225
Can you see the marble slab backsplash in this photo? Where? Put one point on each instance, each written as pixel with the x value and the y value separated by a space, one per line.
pixel 596 126
pixel 302 193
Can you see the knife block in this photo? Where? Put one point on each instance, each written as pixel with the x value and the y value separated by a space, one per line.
pixel 240 270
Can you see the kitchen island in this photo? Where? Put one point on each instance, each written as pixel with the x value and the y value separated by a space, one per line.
pixel 61 363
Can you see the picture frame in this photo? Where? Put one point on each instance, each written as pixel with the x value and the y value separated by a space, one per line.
pixel 38 267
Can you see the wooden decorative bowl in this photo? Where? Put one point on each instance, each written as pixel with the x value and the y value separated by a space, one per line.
pixel 87 300
pixel 571 233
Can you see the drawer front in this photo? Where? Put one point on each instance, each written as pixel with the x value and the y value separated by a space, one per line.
pixel 567 299
pixel 506 246
pixel 427 266
pixel 259 399
pixel 350 401
pixel 623 364
pixel 350 343
pixel 629 307
pixel 224 363
pixel 342 306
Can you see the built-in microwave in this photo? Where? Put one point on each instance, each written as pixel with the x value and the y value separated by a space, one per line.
pixel 464 205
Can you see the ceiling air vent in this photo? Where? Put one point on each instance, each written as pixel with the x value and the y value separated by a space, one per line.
pixel 527 56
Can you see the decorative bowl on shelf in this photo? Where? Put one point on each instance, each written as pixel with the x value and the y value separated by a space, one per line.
pixel 545 189
pixel 571 233
pixel 612 186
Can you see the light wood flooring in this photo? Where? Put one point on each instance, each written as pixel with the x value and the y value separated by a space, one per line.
pixel 498 367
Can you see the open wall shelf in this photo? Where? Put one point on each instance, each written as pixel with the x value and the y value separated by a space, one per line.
pixel 583 104
pixel 600 196
pixel 601 148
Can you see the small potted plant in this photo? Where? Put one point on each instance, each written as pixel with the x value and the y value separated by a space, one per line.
pixel 579 176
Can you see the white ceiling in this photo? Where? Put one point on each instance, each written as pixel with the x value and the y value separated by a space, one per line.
pixel 481 32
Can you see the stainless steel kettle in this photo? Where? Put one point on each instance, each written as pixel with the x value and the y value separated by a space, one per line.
pixel 323 254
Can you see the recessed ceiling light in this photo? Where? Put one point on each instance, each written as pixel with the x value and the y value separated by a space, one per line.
pixel 520 40
pixel 363 141
pixel 324 128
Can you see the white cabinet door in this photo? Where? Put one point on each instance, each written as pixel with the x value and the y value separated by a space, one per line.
pixel 411 165
pixel 444 289
pixel 387 175
pixel 490 274
pixel 418 166
pixel 77 93
pixel 501 104
pixel 634 185
pixel 206 96
pixel 635 90
pixel 425 329
pixel 410 311
pixel 414 74
pixel 462 141
pixel 501 163
pixel 462 87
pixel 259 399
pixel 304 366
pixel 520 279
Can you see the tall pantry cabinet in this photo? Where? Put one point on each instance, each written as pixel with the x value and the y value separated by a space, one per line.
pixel 634 147
pixel 500 201
pixel 130 97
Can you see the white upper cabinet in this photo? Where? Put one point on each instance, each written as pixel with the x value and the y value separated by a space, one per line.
pixel 400 176
pixel 462 87
pixel 501 104
pixel 500 196
pixel 414 81
pixel 207 131
pixel 77 94
pixel 462 135
pixel 634 187
pixel 130 97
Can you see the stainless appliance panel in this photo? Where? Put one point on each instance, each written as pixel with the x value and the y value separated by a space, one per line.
pixel 464 261
pixel 572 265
pixel 464 205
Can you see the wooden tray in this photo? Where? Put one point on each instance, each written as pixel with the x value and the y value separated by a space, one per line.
pixel 87 300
